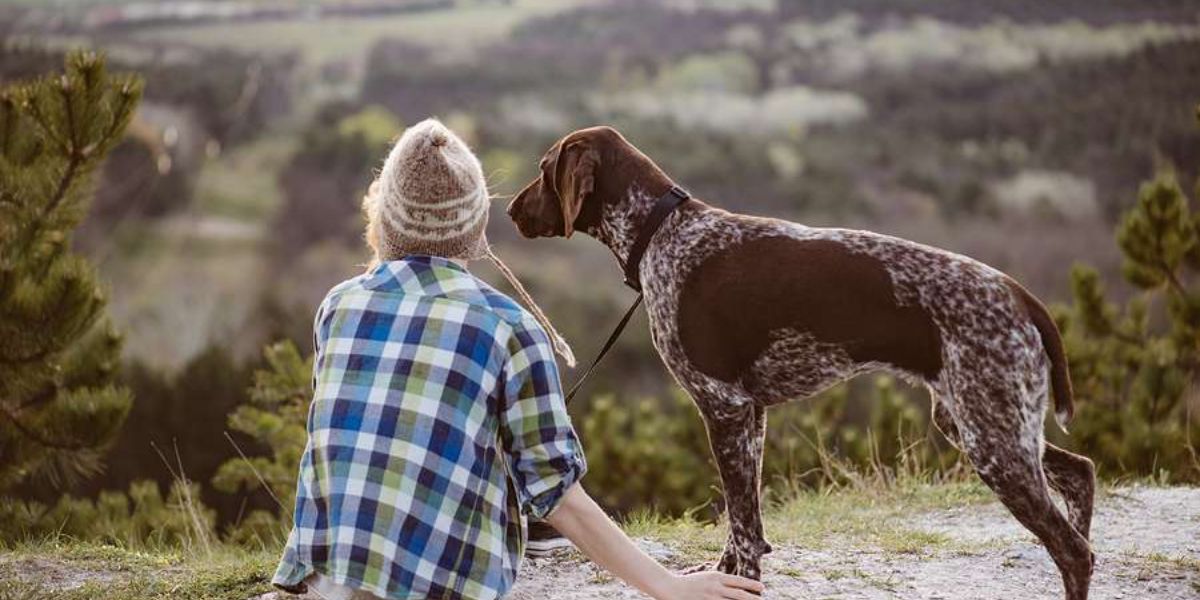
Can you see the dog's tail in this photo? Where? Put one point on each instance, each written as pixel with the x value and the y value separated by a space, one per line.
pixel 1060 376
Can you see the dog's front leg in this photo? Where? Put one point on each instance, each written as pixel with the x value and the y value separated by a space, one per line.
pixel 736 437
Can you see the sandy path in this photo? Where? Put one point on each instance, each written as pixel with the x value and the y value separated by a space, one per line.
pixel 1147 542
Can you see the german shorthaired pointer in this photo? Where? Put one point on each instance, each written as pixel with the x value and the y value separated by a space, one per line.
pixel 748 312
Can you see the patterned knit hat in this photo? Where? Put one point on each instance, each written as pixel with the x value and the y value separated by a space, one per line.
pixel 431 198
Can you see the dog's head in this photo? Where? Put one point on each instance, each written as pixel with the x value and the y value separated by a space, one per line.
pixel 567 193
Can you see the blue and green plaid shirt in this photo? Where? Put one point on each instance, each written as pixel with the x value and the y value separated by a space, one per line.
pixel 437 420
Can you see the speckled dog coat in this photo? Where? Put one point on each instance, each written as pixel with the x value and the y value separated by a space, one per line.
pixel 748 312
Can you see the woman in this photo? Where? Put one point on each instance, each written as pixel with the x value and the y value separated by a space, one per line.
pixel 438 420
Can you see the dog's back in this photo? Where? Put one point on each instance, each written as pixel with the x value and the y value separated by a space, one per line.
pixel 784 310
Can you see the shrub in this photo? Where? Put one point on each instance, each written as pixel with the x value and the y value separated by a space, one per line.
pixel 275 417
pixel 139 518
pixel 654 452
pixel 648 453
pixel 184 413
pixel 1133 366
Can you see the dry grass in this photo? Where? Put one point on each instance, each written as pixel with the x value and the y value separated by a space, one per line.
pixel 72 570
pixel 846 517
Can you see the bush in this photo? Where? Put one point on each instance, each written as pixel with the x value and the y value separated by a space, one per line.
pixel 273 417
pixel 183 414
pixel 650 453
pixel 1133 366
pixel 138 519
pixel 654 453
pixel 276 418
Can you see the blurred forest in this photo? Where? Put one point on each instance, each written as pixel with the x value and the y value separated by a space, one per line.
pixel 1016 132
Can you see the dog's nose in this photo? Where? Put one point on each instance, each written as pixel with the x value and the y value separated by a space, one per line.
pixel 513 206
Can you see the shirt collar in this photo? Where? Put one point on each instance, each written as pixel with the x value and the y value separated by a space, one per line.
pixel 417 273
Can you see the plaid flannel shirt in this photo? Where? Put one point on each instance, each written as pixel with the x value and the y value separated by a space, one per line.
pixel 437 420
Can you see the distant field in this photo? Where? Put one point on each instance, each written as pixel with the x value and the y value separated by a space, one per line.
pixel 332 39
pixel 53 3
pixel 242 184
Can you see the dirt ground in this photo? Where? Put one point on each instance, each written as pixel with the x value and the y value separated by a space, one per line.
pixel 1147 543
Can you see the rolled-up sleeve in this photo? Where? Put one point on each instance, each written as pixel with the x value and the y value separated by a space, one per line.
pixel 544 454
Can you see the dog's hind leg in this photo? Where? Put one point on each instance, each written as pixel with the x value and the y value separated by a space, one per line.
pixel 736 438
pixel 1001 434
pixel 1071 475
pixel 1074 477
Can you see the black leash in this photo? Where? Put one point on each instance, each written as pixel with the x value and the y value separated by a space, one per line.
pixel 663 207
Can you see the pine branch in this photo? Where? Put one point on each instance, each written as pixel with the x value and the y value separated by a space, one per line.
pixel 1173 279
pixel 37 437
pixel 61 192
pixel 48 350
pixel 75 156
pixel 115 127
pixel 38 356
pixel 36 111
pixel 74 160
pixel 42 397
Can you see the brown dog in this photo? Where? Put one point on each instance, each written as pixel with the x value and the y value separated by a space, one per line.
pixel 747 312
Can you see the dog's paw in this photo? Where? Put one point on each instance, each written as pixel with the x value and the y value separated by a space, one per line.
pixel 700 568
pixel 741 566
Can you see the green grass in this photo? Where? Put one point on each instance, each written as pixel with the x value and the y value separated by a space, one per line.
pixel 860 518
pixel 1162 560
pixel 870 519
pixel 845 517
pixel 455 30
pixel 37 570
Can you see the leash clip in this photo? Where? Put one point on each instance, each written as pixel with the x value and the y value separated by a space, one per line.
pixel 679 192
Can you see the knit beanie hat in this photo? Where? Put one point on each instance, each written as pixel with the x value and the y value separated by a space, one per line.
pixel 431 198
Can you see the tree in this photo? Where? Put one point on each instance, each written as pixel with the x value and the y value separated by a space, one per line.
pixel 276 417
pixel 59 407
pixel 1134 366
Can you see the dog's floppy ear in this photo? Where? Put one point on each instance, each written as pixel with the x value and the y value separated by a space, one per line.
pixel 579 181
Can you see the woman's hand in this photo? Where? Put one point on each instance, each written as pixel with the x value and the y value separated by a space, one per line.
pixel 578 518
pixel 711 585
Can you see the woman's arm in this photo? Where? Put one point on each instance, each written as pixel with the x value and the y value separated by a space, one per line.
pixel 584 523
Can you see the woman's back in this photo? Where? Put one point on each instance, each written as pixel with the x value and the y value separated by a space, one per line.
pixel 430 387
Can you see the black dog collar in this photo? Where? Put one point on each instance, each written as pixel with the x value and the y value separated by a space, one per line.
pixel 662 208
pixel 665 205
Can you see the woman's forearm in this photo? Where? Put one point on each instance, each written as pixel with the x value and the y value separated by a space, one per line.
pixel 590 529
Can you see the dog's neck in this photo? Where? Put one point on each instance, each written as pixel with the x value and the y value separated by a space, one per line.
pixel 627 196
pixel 621 221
